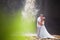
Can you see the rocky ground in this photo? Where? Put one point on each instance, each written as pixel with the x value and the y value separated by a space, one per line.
pixel 36 38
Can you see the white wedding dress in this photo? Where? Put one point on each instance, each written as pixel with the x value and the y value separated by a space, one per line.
pixel 43 31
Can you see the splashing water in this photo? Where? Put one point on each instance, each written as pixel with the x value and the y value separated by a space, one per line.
pixel 29 10
pixel 29 17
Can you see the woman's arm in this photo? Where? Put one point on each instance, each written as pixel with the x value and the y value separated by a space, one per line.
pixel 40 23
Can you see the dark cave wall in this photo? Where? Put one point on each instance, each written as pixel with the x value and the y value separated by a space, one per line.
pixel 51 10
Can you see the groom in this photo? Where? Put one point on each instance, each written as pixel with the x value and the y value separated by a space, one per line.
pixel 40 23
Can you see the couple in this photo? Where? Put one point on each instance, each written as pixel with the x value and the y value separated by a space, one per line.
pixel 41 30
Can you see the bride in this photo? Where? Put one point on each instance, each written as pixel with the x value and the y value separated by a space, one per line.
pixel 41 30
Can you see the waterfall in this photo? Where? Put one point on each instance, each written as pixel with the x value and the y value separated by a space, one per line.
pixel 29 10
pixel 29 17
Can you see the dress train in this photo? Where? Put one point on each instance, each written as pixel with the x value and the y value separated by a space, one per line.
pixel 44 33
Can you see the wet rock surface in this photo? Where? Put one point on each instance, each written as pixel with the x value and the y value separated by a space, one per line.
pixel 36 38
